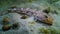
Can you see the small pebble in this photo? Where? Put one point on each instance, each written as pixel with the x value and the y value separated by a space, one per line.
pixel 6 27
pixel 5 21
pixel 15 26
pixel 24 17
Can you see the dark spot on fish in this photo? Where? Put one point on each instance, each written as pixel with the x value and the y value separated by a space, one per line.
pixel 27 11
pixel 46 16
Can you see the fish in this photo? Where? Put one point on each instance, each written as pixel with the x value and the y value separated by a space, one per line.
pixel 39 15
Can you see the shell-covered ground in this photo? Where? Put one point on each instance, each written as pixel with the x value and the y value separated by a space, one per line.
pixel 28 25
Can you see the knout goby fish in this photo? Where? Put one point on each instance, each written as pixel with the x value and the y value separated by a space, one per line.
pixel 39 15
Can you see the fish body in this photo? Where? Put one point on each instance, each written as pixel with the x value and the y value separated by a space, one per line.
pixel 39 15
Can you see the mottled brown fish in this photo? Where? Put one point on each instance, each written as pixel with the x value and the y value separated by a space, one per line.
pixel 39 15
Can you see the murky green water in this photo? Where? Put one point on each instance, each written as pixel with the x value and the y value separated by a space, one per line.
pixel 40 4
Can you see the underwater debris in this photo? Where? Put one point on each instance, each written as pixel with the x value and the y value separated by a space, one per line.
pixel 54 12
pixel 52 1
pixel 47 10
pixel 6 27
pixel 47 30
pixel 31 23
pixel 52 30
pixel 24 17
pixel 5 20
pixel 43 31
pixel 15 26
